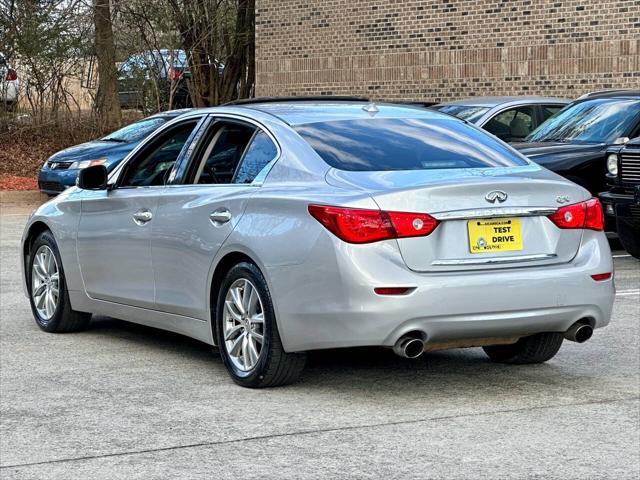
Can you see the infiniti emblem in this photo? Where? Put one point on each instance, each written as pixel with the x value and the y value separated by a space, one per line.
pixel 496 195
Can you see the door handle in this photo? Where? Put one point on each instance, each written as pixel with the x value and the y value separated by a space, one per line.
pixel 142 216
pixel 220 217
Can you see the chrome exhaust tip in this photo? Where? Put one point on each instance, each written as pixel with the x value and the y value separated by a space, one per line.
pixel 579 332
pixel 409 347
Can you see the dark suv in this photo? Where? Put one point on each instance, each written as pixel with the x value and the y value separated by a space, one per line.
pixel 573 142
pixel 622 202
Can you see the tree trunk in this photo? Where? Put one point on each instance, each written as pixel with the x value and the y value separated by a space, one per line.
pixel 107 101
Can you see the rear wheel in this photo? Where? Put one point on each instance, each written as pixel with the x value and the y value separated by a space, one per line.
pixel 48 293
pixel 247 334
pixel 534 349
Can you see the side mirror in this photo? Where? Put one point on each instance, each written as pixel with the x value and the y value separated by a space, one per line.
pixel 93 178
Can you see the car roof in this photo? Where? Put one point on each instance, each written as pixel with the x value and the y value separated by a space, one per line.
pixel 612 93
pixel 313 111
pixel 170 113
pixel 491 102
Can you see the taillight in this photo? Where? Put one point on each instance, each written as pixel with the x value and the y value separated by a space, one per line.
pixel 11 75
pixel 587 215
pixel 174 74
pixel 355 225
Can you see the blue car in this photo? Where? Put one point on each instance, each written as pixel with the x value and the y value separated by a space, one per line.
pixel 60 171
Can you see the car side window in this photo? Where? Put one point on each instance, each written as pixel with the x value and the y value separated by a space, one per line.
pixel 153 166
pixel 259 154
pixel 512 125
pixel 223 153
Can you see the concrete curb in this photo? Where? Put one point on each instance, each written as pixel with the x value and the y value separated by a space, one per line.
pixel 24 197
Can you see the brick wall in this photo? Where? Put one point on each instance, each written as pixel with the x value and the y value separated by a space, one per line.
pixel 443 49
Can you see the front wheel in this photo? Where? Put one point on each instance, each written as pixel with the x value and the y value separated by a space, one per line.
pixel 48 293
pixel 247 333
pixel 533 349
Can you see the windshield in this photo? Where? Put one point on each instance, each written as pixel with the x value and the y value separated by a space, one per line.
pixel 470 113
pixel 592 121
pixel 406 144
pixel 136 131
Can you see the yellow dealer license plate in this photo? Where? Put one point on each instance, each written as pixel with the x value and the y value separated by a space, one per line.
pixel 495 235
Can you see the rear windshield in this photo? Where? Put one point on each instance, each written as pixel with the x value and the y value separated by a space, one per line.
pixel 406 144
pixel 589 121
pixel 470 113
pixel 136 131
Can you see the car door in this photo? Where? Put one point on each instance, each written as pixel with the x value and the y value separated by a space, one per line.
pixel 198 213
pixel 114 232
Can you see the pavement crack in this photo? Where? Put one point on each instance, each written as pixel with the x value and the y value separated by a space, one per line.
pixel 312 432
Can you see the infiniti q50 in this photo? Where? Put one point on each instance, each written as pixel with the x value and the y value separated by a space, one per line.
pixel 274 228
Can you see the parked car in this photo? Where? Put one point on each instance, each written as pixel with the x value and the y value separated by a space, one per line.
pixel 9 85
pixel 622 201
pixel 275 228
pixel 574 142
pixel 510 119
pixel 61 170
pixel 144 76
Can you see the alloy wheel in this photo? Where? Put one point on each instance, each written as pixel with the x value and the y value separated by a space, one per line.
pixel 243 324
pixel 45 282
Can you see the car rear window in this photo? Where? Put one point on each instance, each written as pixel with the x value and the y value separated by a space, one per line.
pixel 470 113
pixel 136 131
pixel 406 144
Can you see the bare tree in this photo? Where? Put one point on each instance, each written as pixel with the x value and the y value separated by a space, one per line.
pixel 218 36
pixel 46 41
pixel 107 102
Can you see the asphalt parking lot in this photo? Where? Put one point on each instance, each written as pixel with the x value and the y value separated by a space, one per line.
pixel 125 401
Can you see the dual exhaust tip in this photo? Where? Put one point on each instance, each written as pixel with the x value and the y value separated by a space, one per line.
pixel 409 347
pixel 579 332
pixel 412 347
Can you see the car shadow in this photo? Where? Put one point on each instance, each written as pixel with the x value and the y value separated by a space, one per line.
pixel 372 370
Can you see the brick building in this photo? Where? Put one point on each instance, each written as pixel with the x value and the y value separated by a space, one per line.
pixel 442 49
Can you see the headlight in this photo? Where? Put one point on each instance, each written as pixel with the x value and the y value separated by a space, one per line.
pixel 87 163
pixel 612 164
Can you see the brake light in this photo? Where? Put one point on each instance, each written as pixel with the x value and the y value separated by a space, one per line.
pixel 587 215
pixel 12 75
pixel 355 225
pixel 600 277
pixel 174 74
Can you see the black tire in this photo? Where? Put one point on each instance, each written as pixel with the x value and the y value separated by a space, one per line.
pixel 629 238
pixel 274 367
pixel 534 349
pixel 64 318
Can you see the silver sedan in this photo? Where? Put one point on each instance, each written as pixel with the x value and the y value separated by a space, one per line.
pixel 511 119
pixel 271 229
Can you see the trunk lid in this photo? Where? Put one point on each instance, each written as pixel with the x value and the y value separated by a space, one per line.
pixel 458 198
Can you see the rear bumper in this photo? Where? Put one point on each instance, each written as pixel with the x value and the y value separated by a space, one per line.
pixel 9 92
pixel 332 304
